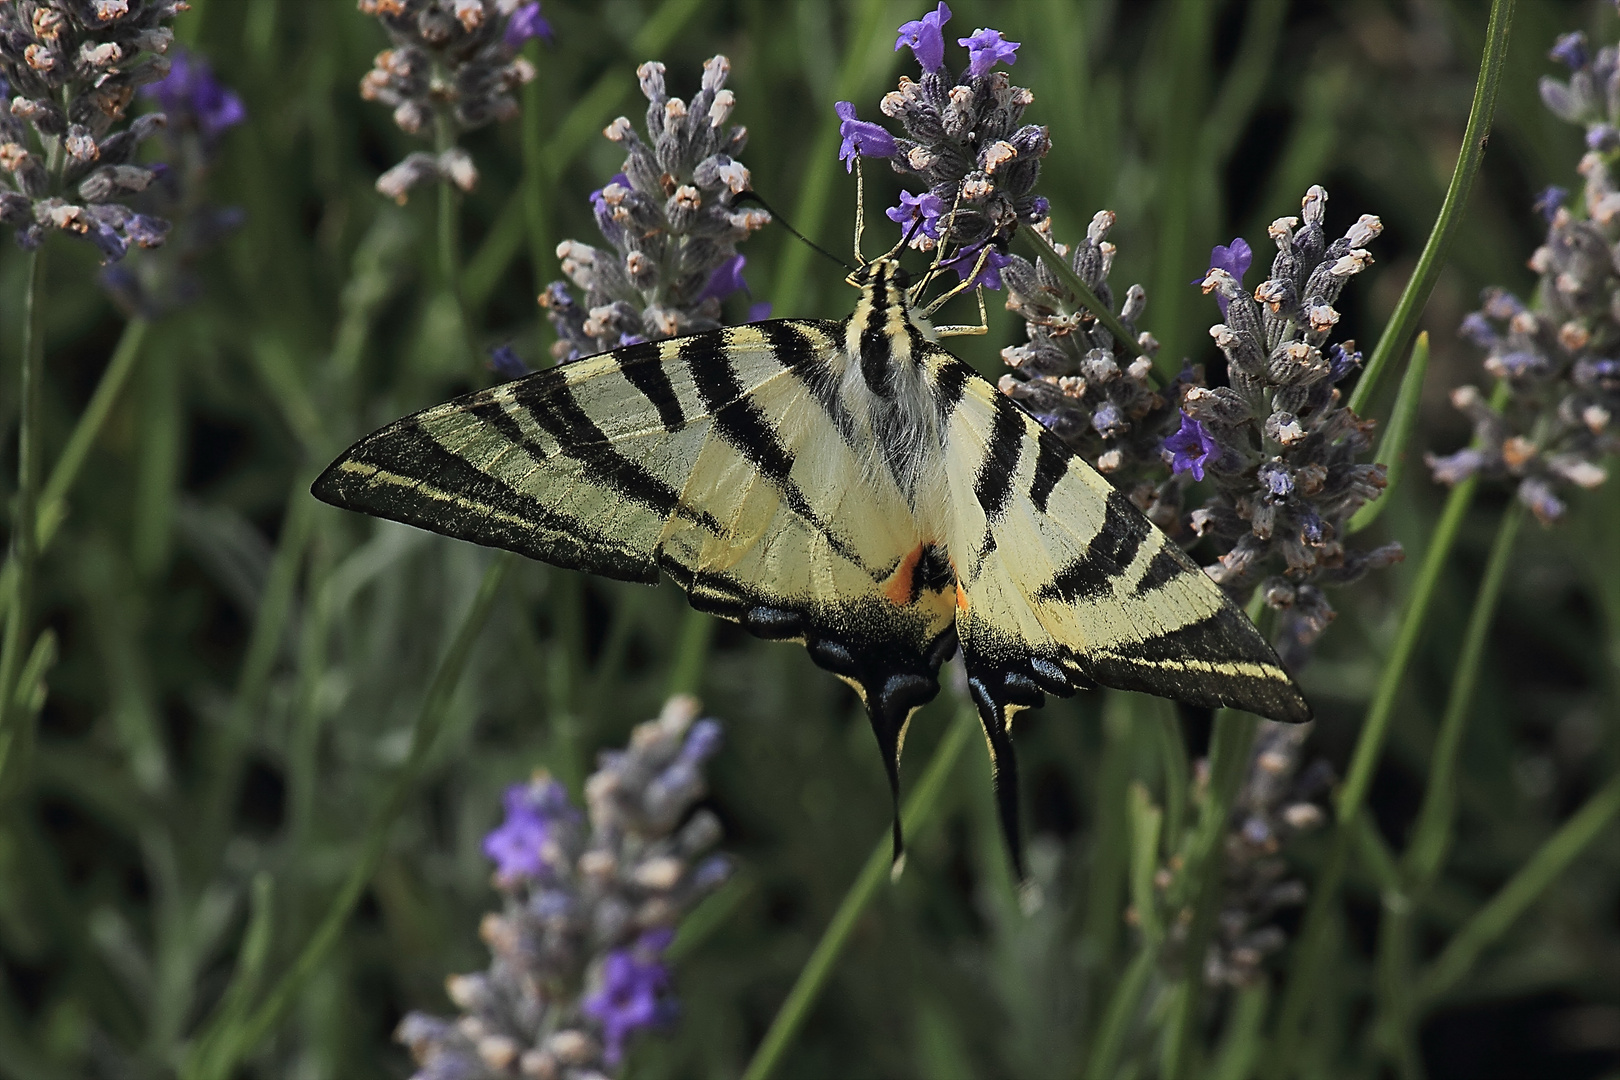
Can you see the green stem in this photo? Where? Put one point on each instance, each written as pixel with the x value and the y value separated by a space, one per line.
pixel 1402 424
pixel 449 248
pixel 691 651
pixel 24 534
pixel 867 48
pixel 1183 172
pixel 1502 910
pixel 1121 1014
pixel 1398 331
pixel 53 496
pixel 1313 937
pixel 1035 244
pixel 919 808
pixel 1431 836
pixel 238 1039
pixel 1228 764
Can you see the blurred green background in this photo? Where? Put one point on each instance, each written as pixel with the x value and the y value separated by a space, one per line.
pixel 240 667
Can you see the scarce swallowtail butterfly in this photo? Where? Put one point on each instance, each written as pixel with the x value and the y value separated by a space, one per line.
pixel 848 485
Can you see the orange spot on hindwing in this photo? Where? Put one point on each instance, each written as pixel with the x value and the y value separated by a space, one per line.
pixel 899 591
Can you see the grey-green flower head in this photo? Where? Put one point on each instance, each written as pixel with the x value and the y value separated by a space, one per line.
pixel 68 71
pixel 454 67
pixel 1557 356
pixel 671 218
pixel 590 904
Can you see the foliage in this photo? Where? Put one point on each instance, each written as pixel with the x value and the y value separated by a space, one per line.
pixel 244 835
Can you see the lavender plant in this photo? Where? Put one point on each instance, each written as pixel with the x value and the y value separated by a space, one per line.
pixel 68 73
pixel 454 67
pixel 589 906
pixel 199 110
pixel 962 143
pixel 672 220
pixel 1554 357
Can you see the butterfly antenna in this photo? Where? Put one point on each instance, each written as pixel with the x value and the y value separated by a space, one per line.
pixel 755 197
pixel 860 209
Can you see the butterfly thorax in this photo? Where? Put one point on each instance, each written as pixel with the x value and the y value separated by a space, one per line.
pixel 885 386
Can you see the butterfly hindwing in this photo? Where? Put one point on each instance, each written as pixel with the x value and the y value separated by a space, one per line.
pixel 1064 583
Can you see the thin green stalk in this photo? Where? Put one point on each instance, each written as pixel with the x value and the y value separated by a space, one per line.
pixel 1398 331
pixel 1431 836
pixel 264 645
pixel 691 650
pixel 1121 1015
pixel 1228 764
pixel 200 1063
pixel 24 535
pixel 1240 1046
pixel 53 497
pixel 449 246
pixel 918 810
pixel 1245 80
pixel 1182 168
pixel 868 48
pixel 239 1037
pixel 1035 245
pixel 1504 909
pixel 1402 423
pixel 1309 953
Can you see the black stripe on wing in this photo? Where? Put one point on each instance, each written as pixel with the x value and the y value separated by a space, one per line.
pixel 745 427
pixel 993 485
pixel 643 368
pixel 1091 575
pixel 1177 664
pixel 550 402
pixel 403 474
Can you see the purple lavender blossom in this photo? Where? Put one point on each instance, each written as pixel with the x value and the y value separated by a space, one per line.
pixel 928 206
pixel 505 362
pixel 526 23
pixel 517 846
pixel 632 996
pixel 861 137
pixel 965 260
pixel 1549 201
pixel 987 48
pixel 191 97
pixel 926 38
pixel 702 741
pixel 760 311
pixel 1342 360
pixel 726 279
pixel 1235 258
pixel 1570 50
pixel 1191 447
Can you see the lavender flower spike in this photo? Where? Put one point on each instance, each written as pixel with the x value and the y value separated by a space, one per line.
pixel 588 908
pixel 861 137
pixel 926 38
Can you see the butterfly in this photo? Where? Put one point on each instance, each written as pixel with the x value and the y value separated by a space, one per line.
pixel 848 485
